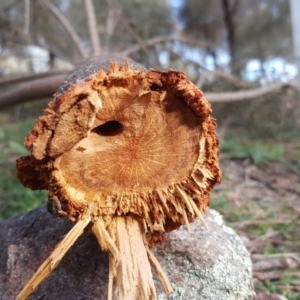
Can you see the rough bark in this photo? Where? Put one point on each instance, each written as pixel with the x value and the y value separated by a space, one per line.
pixel 202 265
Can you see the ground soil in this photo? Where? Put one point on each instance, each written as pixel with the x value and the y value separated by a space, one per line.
pixel 262 203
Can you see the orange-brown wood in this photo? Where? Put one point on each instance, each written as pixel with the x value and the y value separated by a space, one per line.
pixel 134 150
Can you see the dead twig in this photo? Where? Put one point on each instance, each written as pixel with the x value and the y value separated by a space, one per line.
pixel 201 80
pixel 26 16
pixel 111 22
pixel 293 255
pixel 53 260
pixel 261 222
pixel 217 73
pixel 271 275
pixel 249 94
pixel 93 28
pixel 273 187
pixel 160 39
pixel 277 263
pixel 262 240
pixel 68 26
pixel 125 22
pixel 149 42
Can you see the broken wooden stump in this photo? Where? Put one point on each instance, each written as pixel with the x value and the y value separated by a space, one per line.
pixel 132 153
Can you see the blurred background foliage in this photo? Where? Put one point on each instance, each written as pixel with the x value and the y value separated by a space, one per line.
pixel 223 46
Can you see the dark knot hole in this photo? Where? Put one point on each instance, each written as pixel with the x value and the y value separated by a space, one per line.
pixel 110 128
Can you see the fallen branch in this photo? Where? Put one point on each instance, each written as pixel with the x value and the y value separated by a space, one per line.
pixel 249 94
pixel 29 91
pixel 260 222
pixel 149 42
pixel 260 241
pixel 278 263
pixel 28 77
pixel 270 186
pixel 293 255
pixel 36 89
pixel 271 275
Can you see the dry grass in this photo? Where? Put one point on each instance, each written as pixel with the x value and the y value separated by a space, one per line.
pixel 262 204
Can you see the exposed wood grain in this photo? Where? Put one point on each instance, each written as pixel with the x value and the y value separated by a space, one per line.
pixel 134 150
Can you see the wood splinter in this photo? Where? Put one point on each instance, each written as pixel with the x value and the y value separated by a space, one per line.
pixel 132 152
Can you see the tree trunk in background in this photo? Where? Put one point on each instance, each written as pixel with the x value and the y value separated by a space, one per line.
pixel 229 24
pixel 92 23
pixel 295 21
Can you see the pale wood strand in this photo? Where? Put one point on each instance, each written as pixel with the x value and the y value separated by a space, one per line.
pixel 53 260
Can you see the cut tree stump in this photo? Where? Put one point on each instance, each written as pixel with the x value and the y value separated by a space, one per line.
pixel 133 153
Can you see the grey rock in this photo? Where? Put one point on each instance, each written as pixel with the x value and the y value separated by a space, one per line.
pixel 212 265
